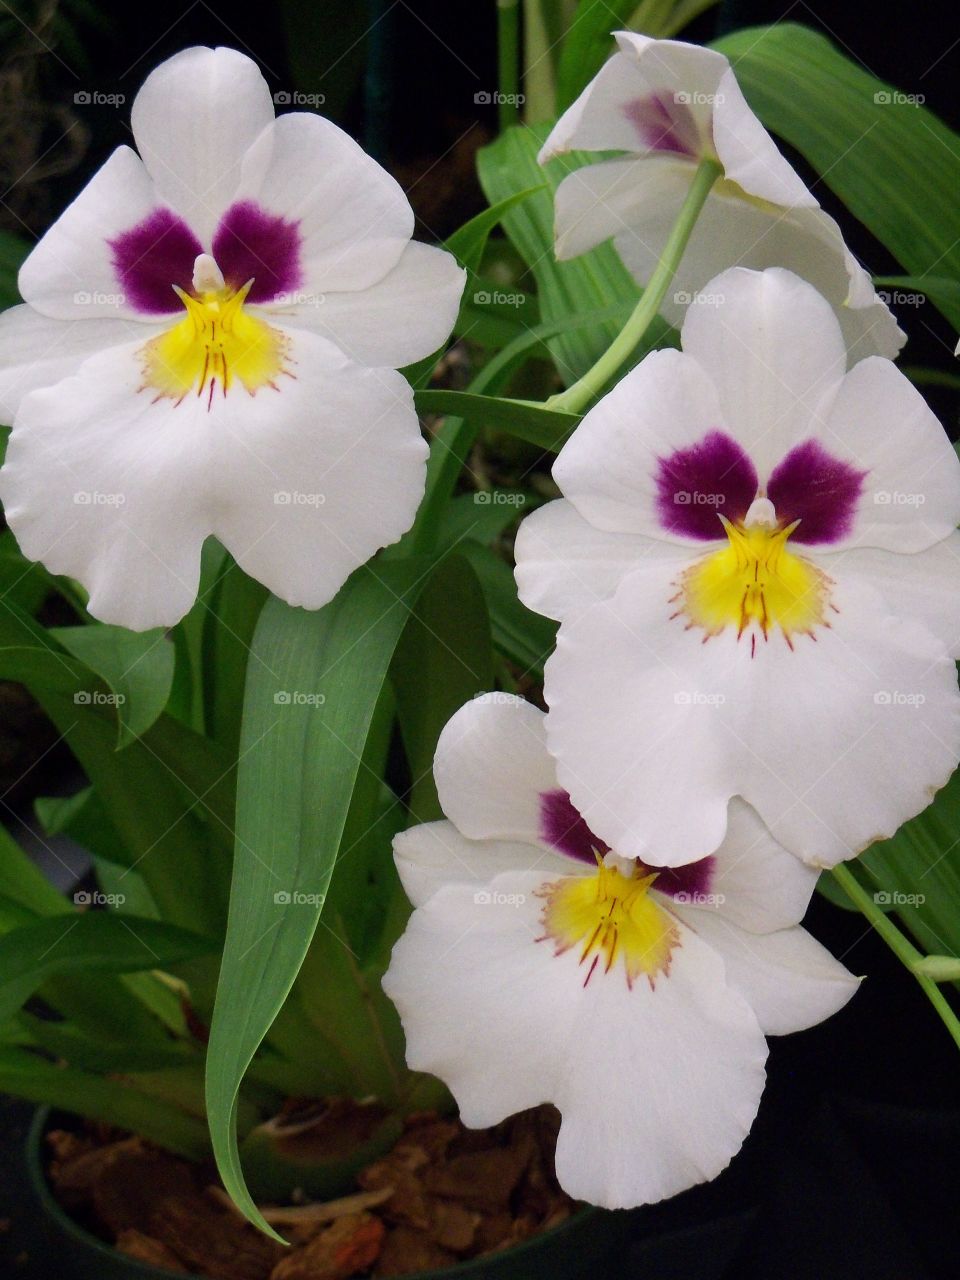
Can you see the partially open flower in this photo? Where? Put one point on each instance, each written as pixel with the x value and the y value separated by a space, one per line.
pixel 209 346
pixel 668 105
pixel 540 966
pixel 757 571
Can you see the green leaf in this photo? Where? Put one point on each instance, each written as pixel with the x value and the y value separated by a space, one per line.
pixel 468 242
pixel 467 245
pixel 23 883
pixel 916 873
pixel 13 250
pixel 541 426
pixel 442 661
pixel 137 666
pixel 524 637
pixel 313 686
pixel 29 1076
pixel 588 44
pixel 96 941
pixel 894 164
pixel 591 282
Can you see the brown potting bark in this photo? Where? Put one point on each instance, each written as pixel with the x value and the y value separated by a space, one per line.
pixel 441 1194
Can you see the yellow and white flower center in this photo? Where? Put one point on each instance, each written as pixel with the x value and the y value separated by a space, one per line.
pixel 216 345
pixel 754 581
pixel 611 917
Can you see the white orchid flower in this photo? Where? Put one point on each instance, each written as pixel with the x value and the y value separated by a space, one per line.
pixel 668 105
pixel 757 571
pixel 539 966
pixel 209 345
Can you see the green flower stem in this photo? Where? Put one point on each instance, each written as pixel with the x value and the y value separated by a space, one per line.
pixel 508 63
pixel 901 946
pixel 596 378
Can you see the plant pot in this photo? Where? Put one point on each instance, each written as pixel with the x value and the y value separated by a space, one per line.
pixel 582 1247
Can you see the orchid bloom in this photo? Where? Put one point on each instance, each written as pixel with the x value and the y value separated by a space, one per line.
pixel 209 345
pixel 757 572
pixel 540 966
pixel 668 105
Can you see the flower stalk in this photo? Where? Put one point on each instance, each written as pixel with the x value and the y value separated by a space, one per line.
pixel 586 388
pixel 901 946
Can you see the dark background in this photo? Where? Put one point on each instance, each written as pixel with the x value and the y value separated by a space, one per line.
pixel 853 1167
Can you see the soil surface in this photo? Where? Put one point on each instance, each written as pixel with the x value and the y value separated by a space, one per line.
pixel 442 1193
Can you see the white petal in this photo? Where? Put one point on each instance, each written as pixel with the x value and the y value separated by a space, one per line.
pixel 403 317
pixel 759 885
pixel 315 478
pixel 664 404
pixel 835 743
pixel 749 155
pixel 193 120
pixel 924 586
pixel 302 485
pixel 106 487
pixel 731 229
pixel 773 349
pixel 636 199
pixel 354 219
pixel 881 423
pixel 598 121
pixel 70 273
pixel 788 978
pixel 435 854
pixel 36 351
pixel 491 768
pixel 564 563
pixel 657 1088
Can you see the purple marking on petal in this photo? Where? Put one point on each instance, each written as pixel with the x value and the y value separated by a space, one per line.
pixel 710 478
pixel 151 258
pixel 251 243
pixel 692 880
pixel 819 490
pixel 664 124
pixel 562 825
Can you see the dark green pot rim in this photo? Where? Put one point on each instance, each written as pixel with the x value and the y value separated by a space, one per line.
pixel 586 1220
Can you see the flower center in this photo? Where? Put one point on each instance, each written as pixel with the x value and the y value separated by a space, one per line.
pixel 755 582
pixel 217 343
pixel 610 916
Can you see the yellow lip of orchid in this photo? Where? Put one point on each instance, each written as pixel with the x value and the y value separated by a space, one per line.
pixel 754 583
pixel 611 916
pixel 218 343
